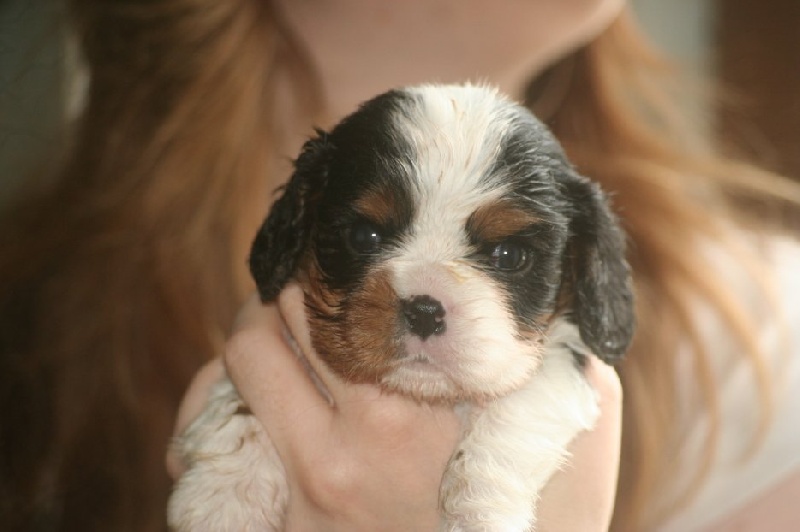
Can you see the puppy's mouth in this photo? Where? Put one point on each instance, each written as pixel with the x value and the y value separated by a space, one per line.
pixel 420 360
pixel 421 364
pixel 416 359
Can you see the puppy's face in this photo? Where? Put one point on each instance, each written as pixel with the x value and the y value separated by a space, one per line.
pixel 437 232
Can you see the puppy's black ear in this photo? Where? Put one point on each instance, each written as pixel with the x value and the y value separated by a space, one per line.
pixel 286 232
pixel 601 279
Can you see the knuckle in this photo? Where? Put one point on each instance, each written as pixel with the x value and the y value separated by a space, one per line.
pixel 611 388
pixel 606 382
pixel 334 483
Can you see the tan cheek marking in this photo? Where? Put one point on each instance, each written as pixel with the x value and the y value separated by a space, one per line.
pixel 372 323
pixel 356 336
pixel 498 220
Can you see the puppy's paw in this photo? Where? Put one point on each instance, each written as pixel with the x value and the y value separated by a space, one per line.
pixel 477 496
pixel 514 446
pixel 234 480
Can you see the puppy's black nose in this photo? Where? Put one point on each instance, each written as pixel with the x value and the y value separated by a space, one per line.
pixel 424 316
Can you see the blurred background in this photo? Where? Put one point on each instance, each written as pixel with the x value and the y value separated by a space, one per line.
pixel 752 46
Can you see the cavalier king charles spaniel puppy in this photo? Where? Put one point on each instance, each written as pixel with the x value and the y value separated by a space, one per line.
pixel 447 251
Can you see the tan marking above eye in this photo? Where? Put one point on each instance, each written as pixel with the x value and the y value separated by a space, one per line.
pixel 379 206
pixel 499 220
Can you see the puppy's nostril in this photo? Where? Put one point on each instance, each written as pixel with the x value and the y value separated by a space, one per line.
pixel 424 316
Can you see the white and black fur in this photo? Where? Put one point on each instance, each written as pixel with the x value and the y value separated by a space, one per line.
pixel 448 251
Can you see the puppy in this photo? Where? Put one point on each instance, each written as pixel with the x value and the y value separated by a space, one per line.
pixel 448 251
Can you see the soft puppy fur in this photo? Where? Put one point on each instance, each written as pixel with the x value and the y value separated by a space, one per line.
pixel 448 251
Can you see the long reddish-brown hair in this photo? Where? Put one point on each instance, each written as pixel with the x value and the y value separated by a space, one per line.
pixel 122 276
pixel 621 120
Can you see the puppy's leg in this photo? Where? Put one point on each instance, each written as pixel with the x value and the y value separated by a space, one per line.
pixel 235 480
pixel 514 446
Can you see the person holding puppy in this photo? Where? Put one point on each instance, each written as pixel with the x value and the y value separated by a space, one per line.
pixel 124 275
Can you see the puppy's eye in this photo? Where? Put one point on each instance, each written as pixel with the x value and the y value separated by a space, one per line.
pixel 510 256
pixel 364 238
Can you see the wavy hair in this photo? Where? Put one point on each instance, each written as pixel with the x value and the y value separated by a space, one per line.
pixel 121 276
pixel 621 114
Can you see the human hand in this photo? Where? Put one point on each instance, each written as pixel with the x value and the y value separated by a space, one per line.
pixel 366 460
pixel 581 495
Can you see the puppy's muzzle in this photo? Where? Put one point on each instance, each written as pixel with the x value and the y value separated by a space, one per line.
pixel 424 316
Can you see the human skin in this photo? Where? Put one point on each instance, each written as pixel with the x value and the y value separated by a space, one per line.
pixel 361 48
pixel 340 458
pixel 342 454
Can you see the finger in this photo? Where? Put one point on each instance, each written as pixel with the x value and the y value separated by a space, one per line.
pixel 192 404
pixel 291 305
pixel 587 485
pixel 271 379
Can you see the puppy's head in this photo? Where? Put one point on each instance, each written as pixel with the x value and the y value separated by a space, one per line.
pixel 438 231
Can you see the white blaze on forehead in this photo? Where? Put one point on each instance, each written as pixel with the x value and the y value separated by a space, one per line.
pixel 456 136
